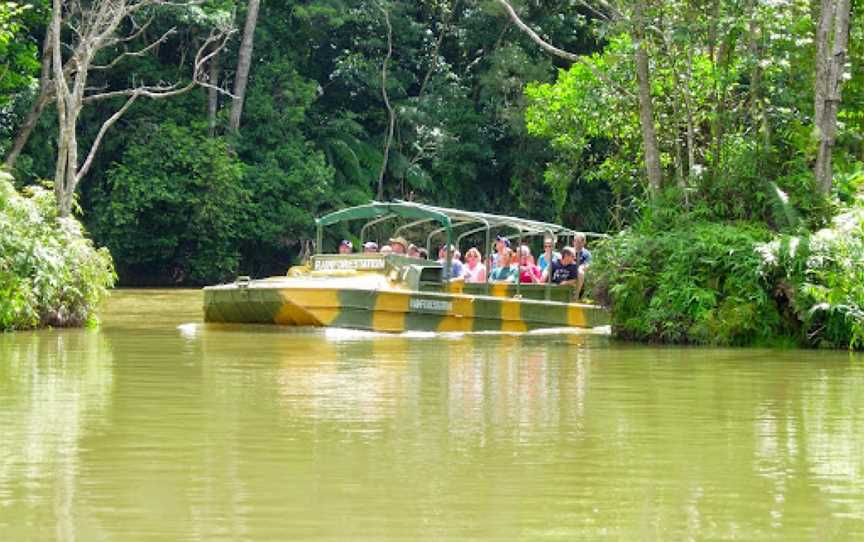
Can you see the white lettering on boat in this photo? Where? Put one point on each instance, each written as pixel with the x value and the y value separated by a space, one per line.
pixel 430 305
pixel 343 265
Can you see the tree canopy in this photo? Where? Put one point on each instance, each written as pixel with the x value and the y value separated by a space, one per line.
pixel 441 101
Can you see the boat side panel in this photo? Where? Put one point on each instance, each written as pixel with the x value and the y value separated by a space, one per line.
pixel 461 316
pixel 355 309
pixel 393 311
pixel 390 311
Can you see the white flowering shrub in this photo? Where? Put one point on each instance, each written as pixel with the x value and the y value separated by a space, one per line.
pixel 821 276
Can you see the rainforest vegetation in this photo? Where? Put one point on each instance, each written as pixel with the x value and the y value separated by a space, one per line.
pixel 719 142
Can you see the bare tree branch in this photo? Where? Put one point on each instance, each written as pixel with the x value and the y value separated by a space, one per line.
pixel 137 33
pixel 104 128
pixel 163 90
pixel 560 52
pixel 435 52
pixel 95 26
pixel 141 52
pixel 599 14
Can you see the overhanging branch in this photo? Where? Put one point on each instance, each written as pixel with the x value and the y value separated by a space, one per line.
pixel 561 53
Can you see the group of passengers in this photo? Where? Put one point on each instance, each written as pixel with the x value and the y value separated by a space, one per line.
pixel 567 267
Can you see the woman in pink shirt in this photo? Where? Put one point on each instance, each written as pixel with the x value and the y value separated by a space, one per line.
pixel 529 273
pixel 475 271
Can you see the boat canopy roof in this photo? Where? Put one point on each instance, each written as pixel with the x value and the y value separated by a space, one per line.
pixel 446 217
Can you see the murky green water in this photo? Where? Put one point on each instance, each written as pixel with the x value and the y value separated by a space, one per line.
pixel 156 427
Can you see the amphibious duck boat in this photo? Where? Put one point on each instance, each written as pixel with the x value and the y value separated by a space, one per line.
pixel 395 293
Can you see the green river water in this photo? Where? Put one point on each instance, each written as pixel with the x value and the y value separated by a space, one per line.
pixel 157 427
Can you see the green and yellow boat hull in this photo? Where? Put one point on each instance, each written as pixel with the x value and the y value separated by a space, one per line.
pixel 374 301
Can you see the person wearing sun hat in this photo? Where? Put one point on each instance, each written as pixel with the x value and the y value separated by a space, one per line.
pixel 398 244
pixel 346 247
pixel 370 247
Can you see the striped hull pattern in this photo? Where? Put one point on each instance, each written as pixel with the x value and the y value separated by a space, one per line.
pixel 392 310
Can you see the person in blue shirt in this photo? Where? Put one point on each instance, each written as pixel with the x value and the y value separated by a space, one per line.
pixel 549 255
pixel 456 267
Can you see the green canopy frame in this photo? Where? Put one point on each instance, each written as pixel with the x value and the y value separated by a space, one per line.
pixel 448 219
pixel 377 210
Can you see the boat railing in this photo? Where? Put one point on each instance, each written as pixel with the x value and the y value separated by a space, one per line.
pixel 427 275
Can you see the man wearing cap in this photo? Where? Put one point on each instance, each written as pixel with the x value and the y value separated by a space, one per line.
pixel 399 245
pixel 346 247
pixel 502 244
pixel 370 247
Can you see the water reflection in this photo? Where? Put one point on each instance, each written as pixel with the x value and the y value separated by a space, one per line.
pixel 54 389
pixel 161 427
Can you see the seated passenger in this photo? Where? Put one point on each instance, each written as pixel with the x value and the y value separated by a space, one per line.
pixel 501 244
pixel 398 245
pixel 529 273
pixel 413 251
pixel 422 253
pixel 549 255
pixel 386 250
pixel 564 271
pixel 346 247
pixel 583 260
pixel 370 247
pixel 475 271
pixel 456 267
pixel 505 272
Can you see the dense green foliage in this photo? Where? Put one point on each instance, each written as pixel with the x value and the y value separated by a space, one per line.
pixel 18 55
pixel 312 134
pixel 486 120
pixel 820 278
pixel 688 284
pixel 698 282
pixel 173 200
pixel 732 89
pixel 50 273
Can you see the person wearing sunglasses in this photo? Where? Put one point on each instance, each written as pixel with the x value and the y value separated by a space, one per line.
pixel 549 254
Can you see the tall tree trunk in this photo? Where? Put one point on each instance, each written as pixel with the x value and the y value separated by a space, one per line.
pixel 213 95
pixel 831 83
pixel 758 114
pixel 678 114
pixel 691 128
pixel 646 106
pixel 391 113
pixel 61 90
pixel 823 37
pixel 244 62
pixel 46 93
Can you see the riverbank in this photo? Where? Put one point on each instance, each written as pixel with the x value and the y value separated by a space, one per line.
pixel 709 283
pixel 51 274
